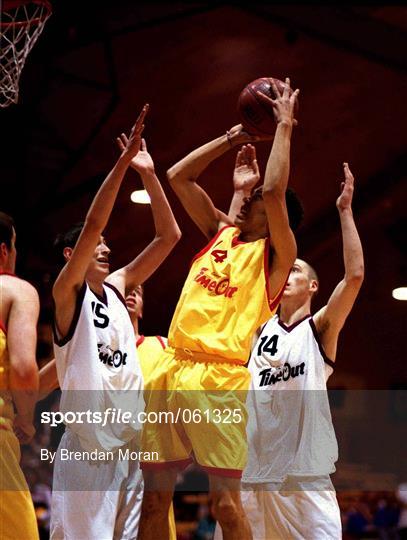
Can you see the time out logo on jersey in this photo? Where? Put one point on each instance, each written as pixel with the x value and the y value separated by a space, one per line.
pixel 110 357
pixel 220 287
pixel 267 377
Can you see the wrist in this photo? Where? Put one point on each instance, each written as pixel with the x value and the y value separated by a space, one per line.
pixel 345 210
pixel 285 124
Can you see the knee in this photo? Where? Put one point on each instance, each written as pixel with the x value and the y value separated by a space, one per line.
pixel 227 510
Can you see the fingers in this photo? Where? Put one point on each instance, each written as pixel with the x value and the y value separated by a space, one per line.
pixel 140 120
pixel 266 99
pixel 347 172
pixel 275 89
pixel 287 88
pixel 239 158
pixel 143 144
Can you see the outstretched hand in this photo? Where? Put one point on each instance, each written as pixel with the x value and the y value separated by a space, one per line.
pixel 345 198
pixel 130 146
pixel 142 162
pixel 238 135
pixel 246 173
pixel 283 104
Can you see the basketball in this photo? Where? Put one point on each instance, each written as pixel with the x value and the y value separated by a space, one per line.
pixel 256 117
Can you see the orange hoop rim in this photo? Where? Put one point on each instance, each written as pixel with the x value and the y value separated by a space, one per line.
pixel 14 4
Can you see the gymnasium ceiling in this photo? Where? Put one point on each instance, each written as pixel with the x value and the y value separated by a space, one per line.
pixel 93 69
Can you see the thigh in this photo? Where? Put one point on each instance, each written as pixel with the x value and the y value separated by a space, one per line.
pixel 217 417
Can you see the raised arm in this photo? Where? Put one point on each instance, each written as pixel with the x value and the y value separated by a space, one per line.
pixel 73 274
pixel 184 174
pixel 245 176
pixel 21 343
pixel 167 232
pixel 330 319
pixel 275 185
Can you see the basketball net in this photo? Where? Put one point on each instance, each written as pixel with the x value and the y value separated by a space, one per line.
pixel 21 25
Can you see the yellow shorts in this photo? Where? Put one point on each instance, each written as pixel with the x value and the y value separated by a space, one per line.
pixel 16 507
pixel 195 405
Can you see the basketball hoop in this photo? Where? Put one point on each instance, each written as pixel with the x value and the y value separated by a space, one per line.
pixel 21 24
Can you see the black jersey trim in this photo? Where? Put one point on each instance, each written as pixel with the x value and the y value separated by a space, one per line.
pixel 321 349
pixel 101 297
pixel 289 328
pixel 78 307
pixel 117 292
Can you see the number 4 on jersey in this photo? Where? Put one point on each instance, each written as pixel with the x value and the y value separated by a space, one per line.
pixel 268 345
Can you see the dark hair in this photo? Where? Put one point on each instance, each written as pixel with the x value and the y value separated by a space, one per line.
pixel 295 209
pixel 6 229
pixel 67 239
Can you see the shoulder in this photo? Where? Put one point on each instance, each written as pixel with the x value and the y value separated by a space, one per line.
pixel 17 288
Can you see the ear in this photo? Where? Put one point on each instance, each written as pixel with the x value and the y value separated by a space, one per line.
pixel 4 250
pixel 67 253
pixel 313 286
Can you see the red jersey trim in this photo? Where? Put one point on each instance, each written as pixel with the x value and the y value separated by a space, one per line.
pixel 160 339
pixel 2 327
pixel 140 340
pixel 228 473
pixel 210 244
pixel 180 464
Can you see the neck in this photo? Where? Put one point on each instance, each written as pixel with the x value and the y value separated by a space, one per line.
pixel 292 311
pixel 134 322
pixel 96 286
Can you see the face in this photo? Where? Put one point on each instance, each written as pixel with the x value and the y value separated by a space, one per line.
pixel 299 284
pixel 9 254
pixel 98 269
pixel 134 302
pixel 252 216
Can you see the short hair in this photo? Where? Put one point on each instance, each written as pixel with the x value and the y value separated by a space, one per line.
pixel 312 275
pixel 295 209
pixel 6 229
pixel 67 239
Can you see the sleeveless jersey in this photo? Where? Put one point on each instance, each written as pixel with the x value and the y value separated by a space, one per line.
pixel 6 400
pixel 149 350
pixel 225 298
pixel 98 369
pixel 290 429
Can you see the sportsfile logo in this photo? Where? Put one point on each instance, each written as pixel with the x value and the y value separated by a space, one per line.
pixel 220 288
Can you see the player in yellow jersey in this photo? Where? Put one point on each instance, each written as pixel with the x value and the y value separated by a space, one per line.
pixel 233 286
pixel 19 308
pixel 149 350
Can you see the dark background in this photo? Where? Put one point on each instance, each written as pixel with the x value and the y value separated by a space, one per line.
pixel 97 63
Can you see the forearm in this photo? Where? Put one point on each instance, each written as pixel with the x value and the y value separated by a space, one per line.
pixel 48 380
pixel 237 202
pixel 102 205
pixel 352 247
pixel 278 164
pixel 24 390
pixel 191 166
pixel 165 224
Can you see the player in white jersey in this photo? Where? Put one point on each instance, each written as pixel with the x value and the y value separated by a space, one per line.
pixel 97 363
pixel 292 444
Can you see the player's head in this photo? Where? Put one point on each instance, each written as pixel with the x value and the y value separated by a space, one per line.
pixel 64 244
pixel 253 218
pixel 134 302
pixel 8 251
pixel 302 284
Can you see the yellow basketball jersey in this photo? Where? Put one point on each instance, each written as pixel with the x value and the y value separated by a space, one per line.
pixel 6 406
pixel 149 349
pixel 225 298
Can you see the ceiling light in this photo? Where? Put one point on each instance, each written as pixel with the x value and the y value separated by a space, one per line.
pixel 400 293
pixel 140 196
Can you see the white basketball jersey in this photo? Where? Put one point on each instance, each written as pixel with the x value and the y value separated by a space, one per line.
pixel 290 429
pixel 98 369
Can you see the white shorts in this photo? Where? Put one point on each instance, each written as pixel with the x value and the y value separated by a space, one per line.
pixel 289 512
pixel 83 506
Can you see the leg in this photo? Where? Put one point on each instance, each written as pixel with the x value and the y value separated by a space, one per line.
pixel 227 508
pixel 157 498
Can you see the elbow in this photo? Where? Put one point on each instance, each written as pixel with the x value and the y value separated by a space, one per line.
pixel 273 193
pixel 24 376
pixel 356 277
pixel 171 237
pixel 172 175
